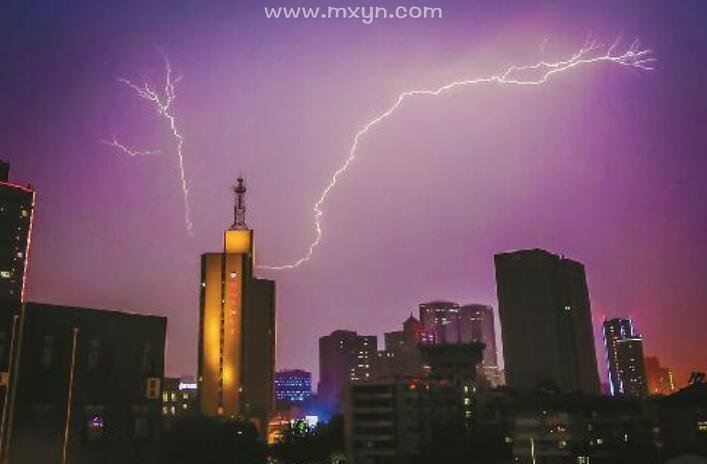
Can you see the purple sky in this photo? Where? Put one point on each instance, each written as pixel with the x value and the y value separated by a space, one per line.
pixel 604 164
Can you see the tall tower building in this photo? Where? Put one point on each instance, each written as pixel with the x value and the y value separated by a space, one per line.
pixel 237 328
pixel 624 352
pixel 440 322
pixel 659 378
pixel 16 212
pixel 477 325
pixel 344 356
pixel 543 303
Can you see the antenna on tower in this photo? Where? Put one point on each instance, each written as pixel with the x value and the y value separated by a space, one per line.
pixel 240 207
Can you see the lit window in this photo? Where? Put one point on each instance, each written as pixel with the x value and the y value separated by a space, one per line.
pixel 702 426
pixel 5 274
pixel 95 427
pixel 562 444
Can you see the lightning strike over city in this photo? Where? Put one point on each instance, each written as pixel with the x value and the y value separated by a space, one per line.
pixel 591 52
pixel 163 105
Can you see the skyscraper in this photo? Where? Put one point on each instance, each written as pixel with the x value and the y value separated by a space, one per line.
pixel 546 323
pixel 16 212
pixel 237 328
pixel 344 356
pixel 659 378
pixel 477 326
pixel 624 352
pixel 440 322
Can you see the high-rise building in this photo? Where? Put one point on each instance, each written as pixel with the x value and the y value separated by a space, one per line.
pixel 237 328
pixel 344 357
pixel 624 352
pixel 293 385
pixel 440 322
pixel 546 323
pixel 16 212
pixel 477 326
pixel 659 379
pixel 85 386
pixel 401 355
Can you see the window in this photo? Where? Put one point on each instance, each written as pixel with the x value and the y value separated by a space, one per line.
pixel 47 351
pixel 146 361
pixel 702 426
pixel 94 354
pixel 95 427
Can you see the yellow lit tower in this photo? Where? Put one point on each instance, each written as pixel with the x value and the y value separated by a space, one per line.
pixel 236 329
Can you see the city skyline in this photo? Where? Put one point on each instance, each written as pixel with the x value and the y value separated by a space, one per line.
pixel 619 192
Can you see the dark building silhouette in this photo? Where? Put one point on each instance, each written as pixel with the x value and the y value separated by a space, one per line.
pixel 237 329
pixel 16 212
pixel 454 363
pixel 294 385
pixel 401 356
pixel 396 419
pixel 86 384
pixel 568 428
pixel 683 420
pixel 344 357
pixel 546 322
pixel 4 171
pixel 624 352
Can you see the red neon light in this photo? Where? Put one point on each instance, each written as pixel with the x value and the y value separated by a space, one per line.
pixel 24 188
pixel 25 272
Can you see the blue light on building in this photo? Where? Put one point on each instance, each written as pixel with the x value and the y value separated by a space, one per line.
pixel 293 385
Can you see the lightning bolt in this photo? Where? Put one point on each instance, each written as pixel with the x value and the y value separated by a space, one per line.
pixel 128 151
pixel 591 52
pixel 162 103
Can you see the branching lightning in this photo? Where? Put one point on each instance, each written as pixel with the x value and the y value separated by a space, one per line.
pixel 128 151
pixel 163 105
pixel 591 52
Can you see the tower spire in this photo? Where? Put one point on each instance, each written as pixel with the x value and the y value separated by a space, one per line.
pixel 240 207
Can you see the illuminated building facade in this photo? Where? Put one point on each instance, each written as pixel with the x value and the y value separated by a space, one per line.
pixel 659 379
pixel 546 322
pixel 293 385
pixel 624 351
pixel 344 357
pixel 237 329
pixel 178 398
pixel 16 211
